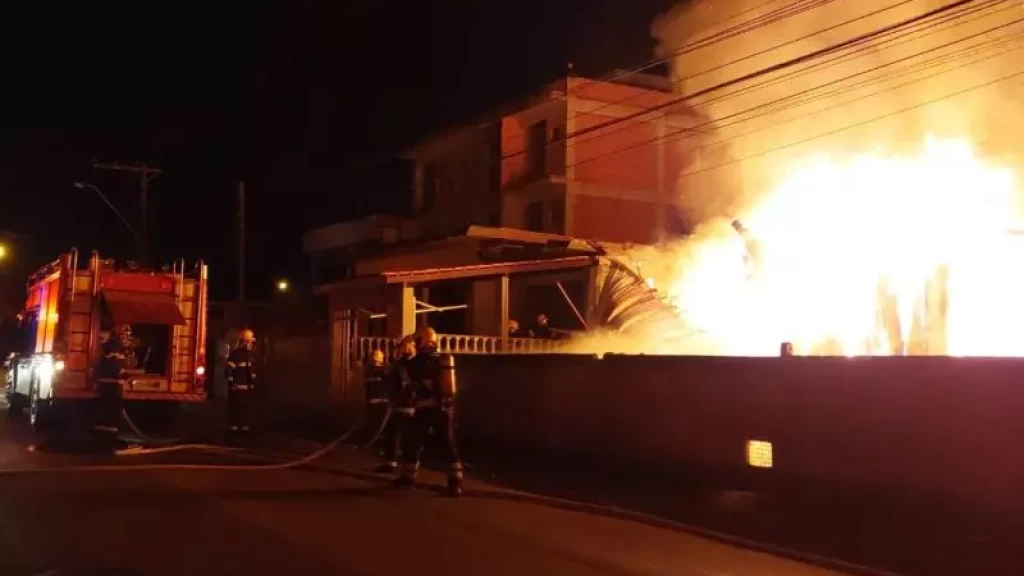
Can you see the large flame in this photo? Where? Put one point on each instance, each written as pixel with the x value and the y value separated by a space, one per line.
pixel 875 254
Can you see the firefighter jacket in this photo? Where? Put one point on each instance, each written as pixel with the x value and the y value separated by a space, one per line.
pixel 399 385
pixel 111 363
pixel 425 372
pixel 375 384
pixel 240 370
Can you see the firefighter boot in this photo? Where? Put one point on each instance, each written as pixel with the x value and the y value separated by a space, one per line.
pixel 455 480
pixel 407 477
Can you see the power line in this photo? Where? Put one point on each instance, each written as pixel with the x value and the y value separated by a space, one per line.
pixel 859 124
pixel 748 26
pixel 871 95
pixel 826 64
pixel 846 57
pixel 939 61
pixel 759 53
pixel 881 33
pixel 771 69
pixel 620 74
pixel 788 97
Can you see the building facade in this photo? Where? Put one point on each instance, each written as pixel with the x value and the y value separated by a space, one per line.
pixel 583 158
pixel 504 220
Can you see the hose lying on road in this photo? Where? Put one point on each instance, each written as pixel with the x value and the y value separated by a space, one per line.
pixel 216 467
pixel 160 446
pixel 142 435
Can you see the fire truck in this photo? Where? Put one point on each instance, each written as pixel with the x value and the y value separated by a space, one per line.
pixel 68 315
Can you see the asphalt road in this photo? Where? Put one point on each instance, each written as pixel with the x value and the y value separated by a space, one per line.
pixel 313 522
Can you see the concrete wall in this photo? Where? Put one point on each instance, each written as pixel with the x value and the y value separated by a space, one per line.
pixel 938 426
pixel 296 373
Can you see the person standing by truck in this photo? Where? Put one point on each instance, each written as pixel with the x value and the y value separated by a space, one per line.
pixel 241 376
pixel 108 384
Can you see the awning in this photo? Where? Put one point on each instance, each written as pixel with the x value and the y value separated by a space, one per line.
pixel 142 308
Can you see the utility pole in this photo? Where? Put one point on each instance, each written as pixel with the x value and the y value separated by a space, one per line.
pixel 241 244
pixel 145 175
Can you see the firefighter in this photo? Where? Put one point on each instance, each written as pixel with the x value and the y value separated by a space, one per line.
pixel 399 387
pixel 241 377
pixel 375 376
pixel 433 391
pixel 109 372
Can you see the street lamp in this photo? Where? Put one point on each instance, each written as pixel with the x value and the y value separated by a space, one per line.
pixel 3 252
pixel 84 185
pixel 283 285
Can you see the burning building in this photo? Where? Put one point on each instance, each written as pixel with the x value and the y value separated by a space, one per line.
pixel 868 153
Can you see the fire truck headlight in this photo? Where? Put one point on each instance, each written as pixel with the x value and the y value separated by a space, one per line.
pixel 200 370
pixel 58 365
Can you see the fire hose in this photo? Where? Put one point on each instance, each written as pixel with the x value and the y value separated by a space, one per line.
pixel 158 446
pixel 296 463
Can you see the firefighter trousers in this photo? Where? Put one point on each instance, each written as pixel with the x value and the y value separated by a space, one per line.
pixel 108 411
pixel 240 410
pixel 432 423
pixel 395 432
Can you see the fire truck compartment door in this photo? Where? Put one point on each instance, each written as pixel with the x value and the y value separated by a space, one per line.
pixel 142 308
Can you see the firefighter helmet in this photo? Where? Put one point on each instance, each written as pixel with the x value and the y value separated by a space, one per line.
pixel 426 338
pixel 406 348
pixel 246 336
pixel 377 357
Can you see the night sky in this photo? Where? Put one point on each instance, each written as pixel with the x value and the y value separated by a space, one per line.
pixel 308 102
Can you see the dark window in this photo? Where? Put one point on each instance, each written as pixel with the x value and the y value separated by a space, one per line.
pixel 556 134
pixel 535 216
pixel 27 333
pixel 537 149
pixel 433 178
pixel 558 216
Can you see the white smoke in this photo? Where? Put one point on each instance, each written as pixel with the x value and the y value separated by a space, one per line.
pixel 880 96
pixel 837 91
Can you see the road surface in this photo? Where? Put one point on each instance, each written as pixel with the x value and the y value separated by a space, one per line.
pixel 300 522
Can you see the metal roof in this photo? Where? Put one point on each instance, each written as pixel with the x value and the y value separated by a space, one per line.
pixel 489 269
pixel 462 272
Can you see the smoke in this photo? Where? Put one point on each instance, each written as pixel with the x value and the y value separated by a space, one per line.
pixel 756 128
pixel 880 97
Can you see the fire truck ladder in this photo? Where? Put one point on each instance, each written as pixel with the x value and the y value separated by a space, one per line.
pixel 183 352
pixel 81 287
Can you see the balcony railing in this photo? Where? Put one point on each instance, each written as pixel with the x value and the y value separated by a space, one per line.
pixel 462 344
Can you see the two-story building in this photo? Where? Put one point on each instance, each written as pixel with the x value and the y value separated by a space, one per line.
pixel 504 210
pixel 581 159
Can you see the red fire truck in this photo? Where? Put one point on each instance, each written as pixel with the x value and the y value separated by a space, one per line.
pixel 68 315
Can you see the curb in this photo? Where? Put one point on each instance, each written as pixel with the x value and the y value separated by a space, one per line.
pixel 623 514
pixel 600 510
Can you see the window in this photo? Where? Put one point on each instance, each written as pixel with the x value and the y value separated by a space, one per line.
pixel 429 189
pixel 556 134
pixel 537 149
pixel 558 216
pixel 28 330
pixel 759 454
pixel 534 216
